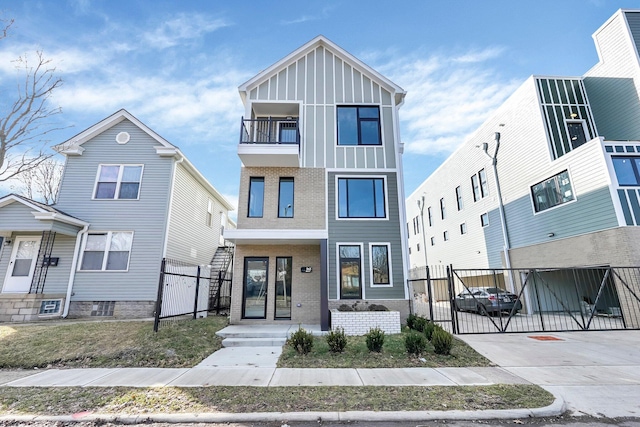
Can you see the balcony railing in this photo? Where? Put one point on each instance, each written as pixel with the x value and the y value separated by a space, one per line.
pixel 270 131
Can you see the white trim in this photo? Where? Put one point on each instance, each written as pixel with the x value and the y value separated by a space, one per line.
pixel 362 170
pixel 105 256
pixel 389 264
pixel 362 275
pixel 54 216
pixel 384 189
pixel 275 234
pixel 121 167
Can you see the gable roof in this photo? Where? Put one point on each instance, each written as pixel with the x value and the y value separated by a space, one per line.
pixel 336 50
pixel 42 211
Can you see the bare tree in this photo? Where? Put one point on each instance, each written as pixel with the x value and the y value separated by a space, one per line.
pixel 25 119
pixel 43 182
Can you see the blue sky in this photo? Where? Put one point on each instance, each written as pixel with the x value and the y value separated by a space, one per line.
pixel 176 65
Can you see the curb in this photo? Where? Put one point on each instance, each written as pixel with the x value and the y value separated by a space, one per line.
pixel 558 407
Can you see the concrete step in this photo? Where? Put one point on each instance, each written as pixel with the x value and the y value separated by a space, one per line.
pixel 253 342
pixel 255 331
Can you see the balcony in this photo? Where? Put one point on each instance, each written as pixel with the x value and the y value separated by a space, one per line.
pixel 271 141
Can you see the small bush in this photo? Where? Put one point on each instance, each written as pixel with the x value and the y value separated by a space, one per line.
pixel 420 323
pixel 410 320
pixel 415 343
pixel 301 340
pixel 442 341
pixel 429 328
pixel 375 339
pixel 377 307
pixel 337 340
pixel 345 307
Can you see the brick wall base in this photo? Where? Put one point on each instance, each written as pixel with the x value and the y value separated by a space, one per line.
pixel 360 322
pixel 121 309
pixel 26 307
pixel 399 305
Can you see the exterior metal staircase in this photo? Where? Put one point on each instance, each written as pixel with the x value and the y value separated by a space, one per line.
pixel 220 282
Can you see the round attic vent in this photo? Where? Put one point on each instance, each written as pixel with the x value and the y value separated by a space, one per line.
pixel 122 138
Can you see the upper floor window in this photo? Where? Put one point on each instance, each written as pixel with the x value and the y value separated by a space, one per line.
pixel 209 213
pixel 627 170
pixel 358 125
pixel 106 251
pixel 475 184
pixel 256 197
pixel 443 209
pixel 430 216
pixel 576 133
pixel 459 198
pixel 552 192
pixel 285 198
pixel 484 219
pixel 479 185
pixel 361 198
pixel 118 182
pixel 484 187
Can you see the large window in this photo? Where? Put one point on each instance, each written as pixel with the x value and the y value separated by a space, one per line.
pixel 475 184
pixel 359 126
pixel 380 264
pixel 361 198
pixel 106 251
pixel 350 277
pixel 285 198
pixel 627 170
pixel 254 304
pixel 479 185
pixel 552 192
pixel 256 197
pixel 118 182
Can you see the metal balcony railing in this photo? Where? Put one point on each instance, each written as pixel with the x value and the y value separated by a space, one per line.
pixel 270 131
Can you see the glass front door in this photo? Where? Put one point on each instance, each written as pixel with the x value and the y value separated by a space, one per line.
pixel 283 287
pixel 254 305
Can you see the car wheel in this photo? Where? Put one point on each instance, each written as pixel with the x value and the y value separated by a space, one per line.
pixel 481 310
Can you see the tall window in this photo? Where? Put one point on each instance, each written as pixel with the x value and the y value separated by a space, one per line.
pixel 443 210
pixel 361 198
pixel 459 198
pixel 484 219
pixel 350 277
pixel 359 126
pixel 430 215
pixel 118 182
pixel 627 170
pixel 479 185
pixel 380 270
pixel 209 213
pixel 475 184
pixel 106 251
pixel 285 198
pixel 463 228
pixel 284 275
pixel 256 197
pixel 484 187
pixel 552 192
pixel 576 133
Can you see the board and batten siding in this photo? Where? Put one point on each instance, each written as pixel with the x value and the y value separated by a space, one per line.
pixel 190 239
pixel 146 217
pixel 322 81
pixel 365 232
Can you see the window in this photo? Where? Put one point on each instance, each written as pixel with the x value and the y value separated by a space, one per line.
pixel 256 197
pixel 361 198
pixel 284 274
pixel 359 126
pixel 433 241
pixel 627 170
pixel 429 214
pixel 416 225
pixel 576 133
pixel 380 267
pixel 106 251
pixel 475 184
pixel 484 219
pixel 288 131
pixel 285 198
pixel 209 213
pixel 459 198
pixel 445 235
pixel 409 250
pixel 118 182
pixel 484 187
pixel 463 228
pixel 552 192
pixel 350 277
pixel 443 210
pixel 418 247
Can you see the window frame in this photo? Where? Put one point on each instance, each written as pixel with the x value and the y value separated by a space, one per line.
pixel 443 209
pixel 339 270
pixel 484 184
pixel 107 250
pixel 459 200
pixel 116 194
pixel 359 120
pixel 389 273
pixel 293 195
pixel 556 175
pixel 635 167
pixel 482 222
pixel 385 196
pixel 253 179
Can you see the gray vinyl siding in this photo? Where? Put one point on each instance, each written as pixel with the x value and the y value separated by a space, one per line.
pixel 58 276
pixel 633 20
pixel 321 80
pixel 190 239
pixel 146 217
pixel 365 232
pixel 18 217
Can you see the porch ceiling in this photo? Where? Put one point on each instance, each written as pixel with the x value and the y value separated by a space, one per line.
pixel 275 237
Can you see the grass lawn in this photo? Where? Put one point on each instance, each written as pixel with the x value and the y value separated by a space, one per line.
pixel 109 344
pixel 70 400
pixel 393 355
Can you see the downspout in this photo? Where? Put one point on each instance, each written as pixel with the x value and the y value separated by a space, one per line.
pixel 72 274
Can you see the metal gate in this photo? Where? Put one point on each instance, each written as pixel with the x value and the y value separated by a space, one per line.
pixel 528 300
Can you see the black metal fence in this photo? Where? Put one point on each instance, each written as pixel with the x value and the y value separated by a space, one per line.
pixel 467 301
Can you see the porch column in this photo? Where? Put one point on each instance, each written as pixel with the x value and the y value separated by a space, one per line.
pixel 324 287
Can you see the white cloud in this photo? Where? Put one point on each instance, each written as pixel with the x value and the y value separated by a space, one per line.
pixel 182 28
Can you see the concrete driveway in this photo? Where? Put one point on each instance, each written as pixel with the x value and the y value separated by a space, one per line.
pixel 597 373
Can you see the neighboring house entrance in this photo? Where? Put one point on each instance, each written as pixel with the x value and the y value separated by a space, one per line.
pixel 22 264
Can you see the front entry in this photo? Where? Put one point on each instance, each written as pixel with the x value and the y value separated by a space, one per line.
pixel 22 264
pixel 254 298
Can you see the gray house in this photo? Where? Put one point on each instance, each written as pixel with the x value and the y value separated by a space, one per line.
pixel 321 197
pixel 128 198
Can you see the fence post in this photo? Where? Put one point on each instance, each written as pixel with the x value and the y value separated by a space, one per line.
pixel 452 299
pixel 156 321
pixel 429 293
pixel 195 302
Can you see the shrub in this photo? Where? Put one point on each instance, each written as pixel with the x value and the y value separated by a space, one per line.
pixel 410 320
pixel 429 328
pixel 420 323
pixel 337 340
pixel 442 341
pixel 345 307
pixel 377 307
pixel 301 340
pixel 415 343
pixel 375 339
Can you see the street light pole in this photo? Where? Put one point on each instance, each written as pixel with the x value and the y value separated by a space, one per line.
pixel 424 248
